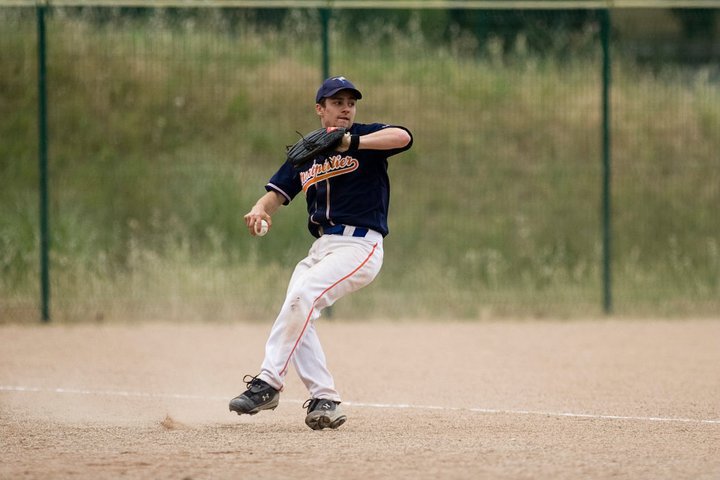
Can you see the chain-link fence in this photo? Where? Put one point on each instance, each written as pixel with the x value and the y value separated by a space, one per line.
pixel 163 125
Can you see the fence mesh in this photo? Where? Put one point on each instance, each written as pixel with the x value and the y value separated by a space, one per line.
pixel 165 124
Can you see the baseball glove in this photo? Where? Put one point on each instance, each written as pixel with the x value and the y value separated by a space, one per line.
pixel 314 143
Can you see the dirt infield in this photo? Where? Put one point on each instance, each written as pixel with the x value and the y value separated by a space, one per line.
pixel 512 400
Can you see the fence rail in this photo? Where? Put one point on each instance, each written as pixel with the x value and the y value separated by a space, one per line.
pixel 378 4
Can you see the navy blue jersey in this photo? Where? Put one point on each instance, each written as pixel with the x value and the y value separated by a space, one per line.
pixel 349 188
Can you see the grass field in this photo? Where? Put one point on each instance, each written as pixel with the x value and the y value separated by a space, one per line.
pixel 162 137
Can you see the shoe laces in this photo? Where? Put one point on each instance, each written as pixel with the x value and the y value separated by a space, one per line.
pixel 253 381
pixel 312 403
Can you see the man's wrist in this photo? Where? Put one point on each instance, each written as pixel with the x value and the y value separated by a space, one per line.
pixel 354 142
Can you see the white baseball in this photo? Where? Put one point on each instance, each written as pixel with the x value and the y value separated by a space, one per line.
pixel 263 228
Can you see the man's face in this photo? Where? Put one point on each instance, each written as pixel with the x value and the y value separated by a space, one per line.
pixel 338 111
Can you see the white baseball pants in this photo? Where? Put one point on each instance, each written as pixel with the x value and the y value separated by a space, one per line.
pixel 335 266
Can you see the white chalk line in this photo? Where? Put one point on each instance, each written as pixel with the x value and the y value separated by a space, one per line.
pixel 401 406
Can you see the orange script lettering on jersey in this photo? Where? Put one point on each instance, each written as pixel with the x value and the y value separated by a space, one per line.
pixel 333 166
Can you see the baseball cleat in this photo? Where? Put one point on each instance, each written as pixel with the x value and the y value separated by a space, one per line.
pixel 323 413
pixel 258 396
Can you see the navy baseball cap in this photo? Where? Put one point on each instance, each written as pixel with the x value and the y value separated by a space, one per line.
pixel 333 85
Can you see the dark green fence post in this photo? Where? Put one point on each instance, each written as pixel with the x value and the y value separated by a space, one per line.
pixel 325 17
pixel 606 177
pixel 43 167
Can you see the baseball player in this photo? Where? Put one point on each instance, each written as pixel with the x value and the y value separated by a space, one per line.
pixel 347 192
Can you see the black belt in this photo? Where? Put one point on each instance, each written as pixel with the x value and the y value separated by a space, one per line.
pixel 341 230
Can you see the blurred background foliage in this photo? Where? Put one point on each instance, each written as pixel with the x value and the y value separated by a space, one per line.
pixel 166 123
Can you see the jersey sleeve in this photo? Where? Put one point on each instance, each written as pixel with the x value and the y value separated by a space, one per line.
pixel 374 127
pixel 285 182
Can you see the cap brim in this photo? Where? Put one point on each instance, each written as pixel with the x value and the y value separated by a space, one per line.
pixel 355 91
